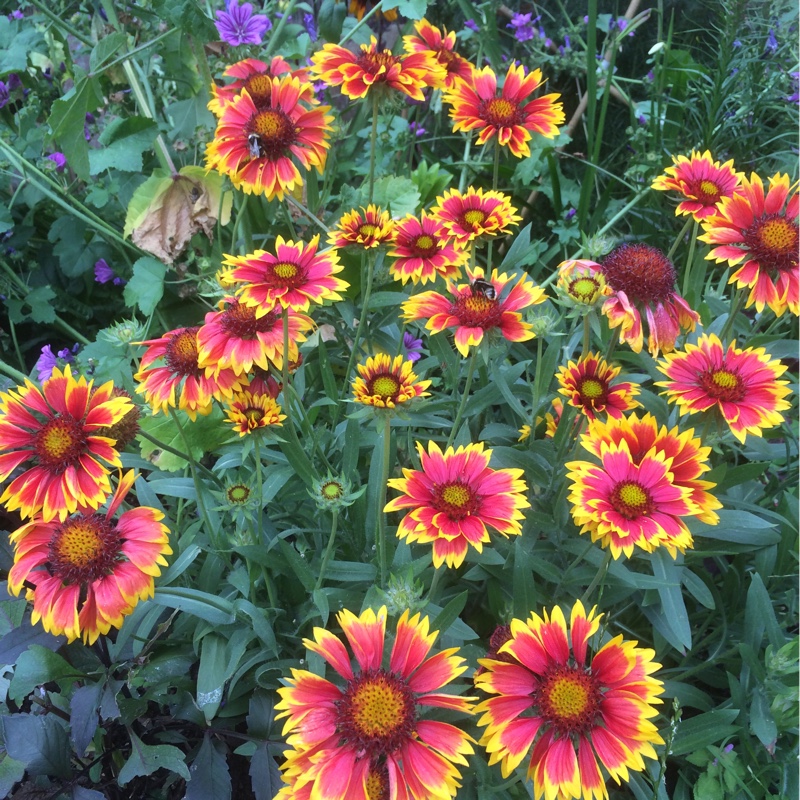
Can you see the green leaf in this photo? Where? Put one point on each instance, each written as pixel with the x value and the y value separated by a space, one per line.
pixel 11 771
pixel 75 255
pixel 38 665
pixel 739 527
pixel 125 140
pixel 189 115
pixel 449 614
pixel 264 773
pixel 67 119
pixel 704 729
pixel 215 610
pixel 762 723
pixel 17 641
pixel 398 194
pixel 17 42
pixel 41 302
pixel 297 565
pixel 522 251
pixel 83 719
pixel 105 50
pixel 321 602
pixel 39 741
pixel 708 788
pixel 143 197
pixel 524 591
pixel 210 777
pixel 760 615
pixel 211 675
pixel 413 9
pixel 330 19
pixel 669 574
pixel 350 571
pixel 146 287
pixel 146 759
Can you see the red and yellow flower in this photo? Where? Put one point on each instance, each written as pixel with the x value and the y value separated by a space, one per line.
pixel 762 231
pixel 440 45
pixel 588 385
pixel 384 382
pixel 578 715
pixel 455 498
pixel 248 411
pixel 256 145
pixel 423 250
pixel 476 308
pixel 581 283
pixel 701 181
pixel 181 374
pixel 359 7
pixel 60 430
pixel 236 338
pixel 511 116
pixel 551 420
pixel 293 277
pixel 88 571
pixel 357 73
pixel 355 738
pixel 642 280
pixel 467 217
pixel 742 384
pixel 647 480
pixel 369 228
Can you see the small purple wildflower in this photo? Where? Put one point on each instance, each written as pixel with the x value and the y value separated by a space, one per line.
pixel 522 26
pixel 651 76
pixel 772 42
pixel 16 14
pixel 413 347
pixel 4 94
pixel 310 26
pixel 570 214
pixel 736 44
pixel 472 25
pixel 567 42
pixel 47 362
pixel 416 128
pixel 642 119
pixel 794 97
pixel 103 273
pixel 237 25
pixel 59 159
pixel 319 90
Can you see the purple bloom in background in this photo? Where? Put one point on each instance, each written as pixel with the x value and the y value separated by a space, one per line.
pixel 59 159
pixel 772 42
pixel 736 44
pixel 416 129
pixel 4 94
pixel 413 347
pixel 472 25
pixel 570 214
pixel 237 25
pixel 310 26
pixel 794 97
pixel 104 274
pixel 523 28
pixel 16 14
pixel 47 362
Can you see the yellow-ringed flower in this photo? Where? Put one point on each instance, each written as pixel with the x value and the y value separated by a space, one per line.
pixel 369 228
pixel 476 308
pixel 423 250
pixel 248 411
pixel 359 7
pixel 357 73
pixel 475 214
pixel 255 76
pixel 510 116
pixel 455 498
pixel 384 382
pixel 257 145
pixel 701 181
pixel 124 431
pixel 236 338
pixel 294 277
pixel 577 717
pixel 642 280
pixel 643 484
pixel 581 283
pixel 441 45
pixel 182 375
pixel 60 431
pixel 742 384
pixel 88 570
pixel 369 729
pixel 762 231
pixel 588 386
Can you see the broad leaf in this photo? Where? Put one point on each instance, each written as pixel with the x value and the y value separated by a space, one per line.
pixel 146 287
pixel 145 759
pixel 210 777
pixel 39 741
pixel 38 665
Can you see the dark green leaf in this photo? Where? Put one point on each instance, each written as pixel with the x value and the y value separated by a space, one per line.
pixel 125 140
pixel 298 566
pixel 215 610
pixel 413 9
pixel 38 665
pixel 524 583
pixel 82 793
pixel 39 741
pixel 211 675
pixel 11 771
pixel 449 614
pixel 321 602
pixel 145 759
pixel 704 729
pixel 17 42
pixel 350 571
pixel 13 644
pixel 210 778
pixel 330 19
pixel 146 287
pixel 760 615
pixel 669 574
pixel 264 773
pixel 762 723
pixel 105 50
pixel 260 715
pixel 40 300
pixel 83 719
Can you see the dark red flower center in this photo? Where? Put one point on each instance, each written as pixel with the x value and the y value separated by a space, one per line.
pixel 376 713
pixel 500 112
pixel 377 783
pixel 375 63
pixel 773 241
pixel 706 191
pixel 644 273
pixel 568 699
pixel 477 311
pixel 631 500
pixel 424 246
pixel 272 134
pixel 285 274
pixel 722 384
pixel 84 549
pixel 386 386
pixel 60 443
pixel 181 352
pixel 456 499
pixel 259 87
pixel 239 321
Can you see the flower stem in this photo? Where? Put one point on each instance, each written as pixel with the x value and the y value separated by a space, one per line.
pixel 537 374
pixel 287 401
pixel 304 210
pixel 598 578
pixel 381 532
pixel 679 239
pixel 163 446
pixel 738 303
pixel 689 261
pixel 275 36
pixel 464 397
pixel 12 373
pixel 328 550
pixel 587 332
pixel 373 143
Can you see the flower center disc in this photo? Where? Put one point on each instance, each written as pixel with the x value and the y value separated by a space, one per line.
pixel 455 499
pixel 721 384
pixel 240 321
pixel 644 273
pixel 500 112
pixel 238 494
pixel 377 784
pixel 253 415
pixel 275 132
pixel 332 490
pixel 707 191
pixel 773 241
pixel 630 500
pixel 591 389
pixel 376 63
pixel 181 352
pixel 424 246
pixel 259 87
pixel 367 230
pixel 83 549
pixel 385 386
pixel 473 217
pixel 584 290
pixel 59 443
pixel 287 274
pixel 569 699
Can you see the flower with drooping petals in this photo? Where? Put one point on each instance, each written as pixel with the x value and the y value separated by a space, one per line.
pixel 441 45
pixel 762 231
pixel 355 738
pixel 236 338
pixel 642 279
pixel 357 73
pixel 646 482
pixel 454 499
pixel 742 384
pixel 88 571
pixel 256 145
pixel 370 228
pixel 701 181
pixel 574 713
pixel 249 411
pixel 238 25
pixel 581 284
pixel 294 277
pixel 477 307
pixel 551 420
pixel 58 429
pixel 384 382
pixel 181 373
pixel 467 217
pixel 588 385
pixel 423 250
pixel 511 116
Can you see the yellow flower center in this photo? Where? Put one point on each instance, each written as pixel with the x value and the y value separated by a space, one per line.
pixel 332 490
pixel 591 389
pixel 79 544
pixel 632 495
pixel 259 87
pixel 724 385
pixel 269 124
pixel 709 188
pixel 500 112
pixel 568 697
pixel 181 352
pixel 631 500
pixel 385 386
pixel 456 495
pixel 377 708
pixel 238 494
pixel 584 290
pixel 83 548
pixel 269 134
pixel 475 216
pixel 60 443
pixel 377 785
pixel 367 230
pixel 57 441
pixel 284 270
pixel 725 379
pixel 779 235
pixel 425 242
pixel 253 416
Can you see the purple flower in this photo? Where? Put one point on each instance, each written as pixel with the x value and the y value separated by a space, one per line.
pixel 413 347
pixel 523 29
pixel 472 25
pixel 104 274
pixel 772 42
pixel 59 159
pixel 310 26
pixel 47 362
pixel 237 25
pixel 4 94
pixel 416 128
pixel 16 14
pixel 570 214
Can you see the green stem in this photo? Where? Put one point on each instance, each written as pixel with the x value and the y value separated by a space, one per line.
pixel 678 240
pixel 362 21
pixel 260 489
pixel 587 332
pixel 381 532
pixel 437 579
pixel 64 26
pixel 689 261
pixel 495 179
pixel 136 50
pixel 169 449
pixel 738 304
pixel 328 550
pixel 536 384
pixel 464 397
pixel 240 214
pixel 275 36
pixel 373 144
pixel 12 373
pixel 287 400
pixel 305 211
pixel 599 576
